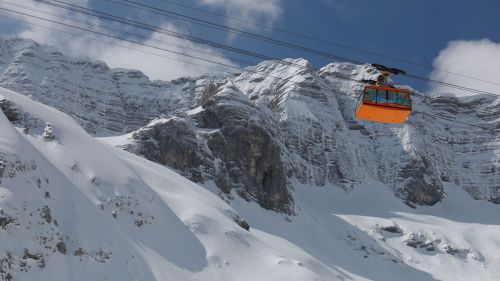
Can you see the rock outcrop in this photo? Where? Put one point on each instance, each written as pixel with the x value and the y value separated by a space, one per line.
pixel 227 142
pixel 9 110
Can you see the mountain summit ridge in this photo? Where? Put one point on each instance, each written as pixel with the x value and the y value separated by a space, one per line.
pixel 293 123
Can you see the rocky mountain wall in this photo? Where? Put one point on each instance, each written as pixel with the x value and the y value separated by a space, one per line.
pixel 256 134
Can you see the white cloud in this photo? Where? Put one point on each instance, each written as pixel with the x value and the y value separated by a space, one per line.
pixel 151 61
pixel 478 59
pixel 158 67
pixel 71 45
pixel 264 12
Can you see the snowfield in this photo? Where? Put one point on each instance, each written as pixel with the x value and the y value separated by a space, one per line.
pixel 73 207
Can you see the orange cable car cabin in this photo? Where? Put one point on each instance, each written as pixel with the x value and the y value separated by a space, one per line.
pixel 384 104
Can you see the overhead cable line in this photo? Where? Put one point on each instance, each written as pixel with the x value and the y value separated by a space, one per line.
pixel 336 76
pixel 324 41
pixel 108 16
pixel 155 47
pixel 214 62
pixel 142 37
pixel 111 43
pixel 152 28
pixel 458 122
pixel 288 63
pixel 159 11
pixel 450 85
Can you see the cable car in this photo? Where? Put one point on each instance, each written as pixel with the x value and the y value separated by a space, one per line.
pixel 383 102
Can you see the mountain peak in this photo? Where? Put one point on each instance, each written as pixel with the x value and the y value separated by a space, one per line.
pixel 269 162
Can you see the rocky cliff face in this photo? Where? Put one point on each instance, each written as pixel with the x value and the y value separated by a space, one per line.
pixel 256 135
pixel 226 140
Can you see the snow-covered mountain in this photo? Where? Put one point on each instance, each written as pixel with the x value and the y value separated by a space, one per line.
pixel 337 198
pixel 105 101
pixel 299 126
pixel 74 208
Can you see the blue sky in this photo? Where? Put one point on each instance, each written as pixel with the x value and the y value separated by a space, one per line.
pixel 412 30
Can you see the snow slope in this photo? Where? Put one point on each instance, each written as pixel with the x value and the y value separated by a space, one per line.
pixel 456 240
pixel 119 216
pixel 74 208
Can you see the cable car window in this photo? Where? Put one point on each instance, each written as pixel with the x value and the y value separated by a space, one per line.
pixel 382 96
pixel 392 97
pixel 404 99
pixel 370 94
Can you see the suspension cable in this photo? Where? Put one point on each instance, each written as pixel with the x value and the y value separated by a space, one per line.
pixel 324 41
pixel 229 66
pixel 106 16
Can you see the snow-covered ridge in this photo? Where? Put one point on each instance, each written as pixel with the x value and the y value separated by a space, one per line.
pixel 105 101
pixel 306 116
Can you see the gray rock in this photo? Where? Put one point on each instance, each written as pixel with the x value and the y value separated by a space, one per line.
pixel 45 213
pixel 249 154
pixel 61 247
pixel 9 110
pixel 220 144
pixel 79 252
pixel 422 186
pixel 48 133
pixel 392 229
pixel 3 166
pixel 5 220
